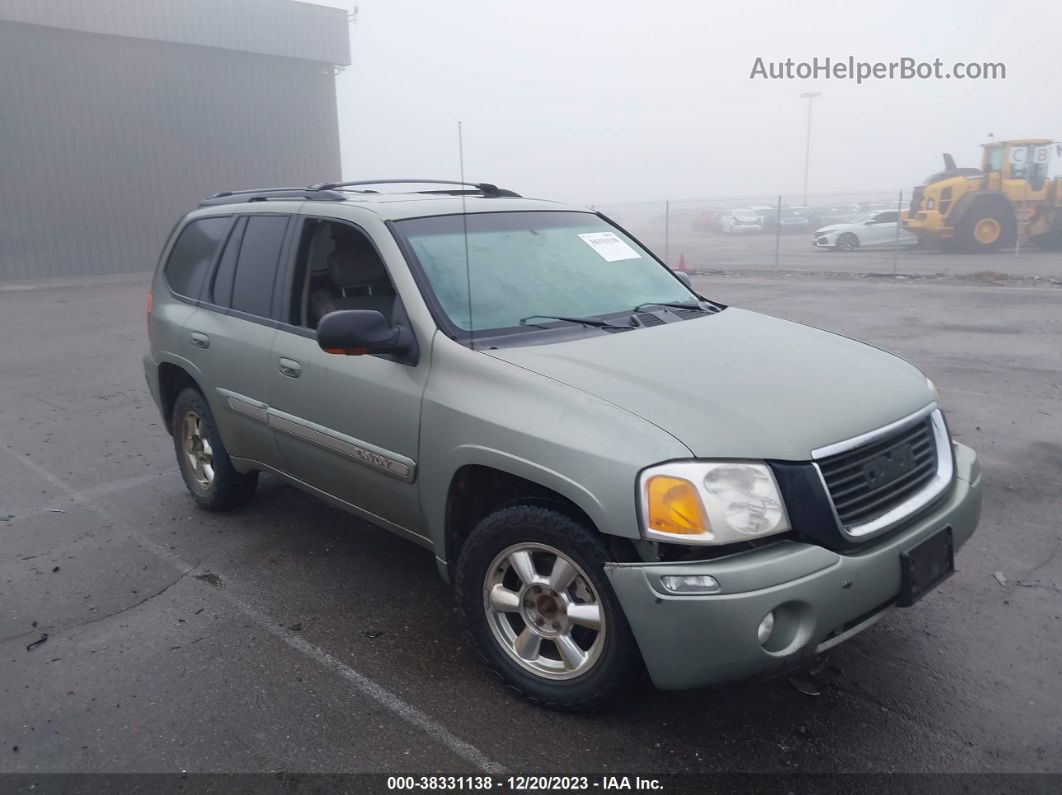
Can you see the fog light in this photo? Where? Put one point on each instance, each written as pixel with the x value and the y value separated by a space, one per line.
pixel 689 583
pixel 766 627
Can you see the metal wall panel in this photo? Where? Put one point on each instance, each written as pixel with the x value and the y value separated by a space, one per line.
pixel 271 27
pixel 105 141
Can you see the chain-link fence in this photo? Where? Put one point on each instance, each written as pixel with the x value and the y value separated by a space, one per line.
pixel 841 232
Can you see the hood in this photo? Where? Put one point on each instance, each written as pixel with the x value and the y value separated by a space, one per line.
pixel 738 384
pixel 831 228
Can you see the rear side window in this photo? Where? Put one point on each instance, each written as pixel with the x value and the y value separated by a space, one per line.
pixel 193 253
pixel 256 266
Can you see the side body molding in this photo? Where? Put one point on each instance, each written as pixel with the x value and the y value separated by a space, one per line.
pixel 393 464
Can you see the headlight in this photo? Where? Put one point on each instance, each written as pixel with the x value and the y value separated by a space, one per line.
pixel 707 502
pixel 933 389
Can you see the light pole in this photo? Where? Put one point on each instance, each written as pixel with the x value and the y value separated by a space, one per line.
pixel 809 96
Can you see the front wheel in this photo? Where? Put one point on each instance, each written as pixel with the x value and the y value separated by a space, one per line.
pixel 532 585
pixel 985 229
pixel 847 242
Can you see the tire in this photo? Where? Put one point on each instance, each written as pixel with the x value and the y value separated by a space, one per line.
pixel 492 569
pixel 205 466
pixel 1052 241
pixel 847 242
pixel 985 229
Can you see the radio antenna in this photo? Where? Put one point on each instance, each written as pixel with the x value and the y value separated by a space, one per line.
pixel 464 222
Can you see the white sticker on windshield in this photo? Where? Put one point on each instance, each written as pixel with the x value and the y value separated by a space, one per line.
pixel 609 246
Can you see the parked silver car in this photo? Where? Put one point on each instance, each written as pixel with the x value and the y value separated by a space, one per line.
pixel 617 474
pixel 878 230
pixel 736 222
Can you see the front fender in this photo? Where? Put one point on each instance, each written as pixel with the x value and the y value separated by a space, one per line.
pixel 481 410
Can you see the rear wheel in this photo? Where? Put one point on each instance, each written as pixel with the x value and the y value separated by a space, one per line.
pixel 532 586
pixel 985 229
pixel 1052 241
pixel 847 242
pixel 205 466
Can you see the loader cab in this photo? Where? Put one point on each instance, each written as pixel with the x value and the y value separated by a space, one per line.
pixel 1019 167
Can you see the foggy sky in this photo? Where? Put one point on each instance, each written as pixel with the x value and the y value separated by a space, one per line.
pixel 613 101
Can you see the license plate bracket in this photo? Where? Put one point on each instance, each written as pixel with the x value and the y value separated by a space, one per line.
pixel 925 566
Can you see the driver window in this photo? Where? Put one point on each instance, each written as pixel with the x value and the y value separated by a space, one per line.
pixel 338 268
pixel 994 159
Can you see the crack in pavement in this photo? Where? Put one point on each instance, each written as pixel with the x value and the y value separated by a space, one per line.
pixel 97 619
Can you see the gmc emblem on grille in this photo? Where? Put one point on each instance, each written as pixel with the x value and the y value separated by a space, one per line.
pixel 889 466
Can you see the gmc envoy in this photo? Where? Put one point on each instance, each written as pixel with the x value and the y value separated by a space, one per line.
pixel 618 475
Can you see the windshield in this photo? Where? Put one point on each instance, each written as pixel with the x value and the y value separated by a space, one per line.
pixel 568 264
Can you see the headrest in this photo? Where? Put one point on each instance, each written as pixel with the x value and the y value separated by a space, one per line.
pixel 356 264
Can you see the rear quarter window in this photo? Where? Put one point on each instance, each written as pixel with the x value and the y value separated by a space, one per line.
pixel 193 253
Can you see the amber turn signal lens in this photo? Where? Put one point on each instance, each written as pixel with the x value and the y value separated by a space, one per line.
pixel 674 506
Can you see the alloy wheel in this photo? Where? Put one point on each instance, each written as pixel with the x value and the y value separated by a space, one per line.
pixel 544 611
pixel 198 453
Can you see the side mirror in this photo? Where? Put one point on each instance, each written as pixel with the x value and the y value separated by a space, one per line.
pixel 356 332
pixel 683 277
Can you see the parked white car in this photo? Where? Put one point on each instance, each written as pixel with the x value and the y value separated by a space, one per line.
pixel 739 221
pixel 881 230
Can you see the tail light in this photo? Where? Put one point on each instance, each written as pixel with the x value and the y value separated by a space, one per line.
pixel 150 306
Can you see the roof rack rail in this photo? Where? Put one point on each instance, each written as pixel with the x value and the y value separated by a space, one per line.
pixel 265 194
pixel 484 188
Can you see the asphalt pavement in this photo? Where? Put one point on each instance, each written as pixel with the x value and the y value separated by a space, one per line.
pixel 139 634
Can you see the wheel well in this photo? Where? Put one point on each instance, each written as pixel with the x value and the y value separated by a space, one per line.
pixel 172 381
pixel 476 491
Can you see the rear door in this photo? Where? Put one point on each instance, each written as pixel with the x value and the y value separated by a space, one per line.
pixel 230 336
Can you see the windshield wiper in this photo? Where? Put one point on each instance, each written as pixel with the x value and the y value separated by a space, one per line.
pixel 671 305
pixel 585 321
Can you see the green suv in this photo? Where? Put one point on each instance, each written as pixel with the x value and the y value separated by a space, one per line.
pixel 617 474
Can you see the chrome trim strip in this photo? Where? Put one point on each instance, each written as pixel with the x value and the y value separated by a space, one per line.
pixel 246 406
pixel 870 436
pixel 933 489
pixel 384 461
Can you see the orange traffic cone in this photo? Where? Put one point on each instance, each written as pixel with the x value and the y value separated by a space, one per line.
pixel 682 263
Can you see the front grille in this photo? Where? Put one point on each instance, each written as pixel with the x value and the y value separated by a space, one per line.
pixel 871 480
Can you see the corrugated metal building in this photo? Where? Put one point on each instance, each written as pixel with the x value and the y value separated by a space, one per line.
pixel 118 115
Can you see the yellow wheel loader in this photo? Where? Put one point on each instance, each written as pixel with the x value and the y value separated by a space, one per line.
pixel 1015 196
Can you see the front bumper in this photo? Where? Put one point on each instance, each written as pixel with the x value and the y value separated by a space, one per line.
pixel 820 598
pixel 824 241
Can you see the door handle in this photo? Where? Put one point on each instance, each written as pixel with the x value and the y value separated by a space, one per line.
pixel 199 339
pixel 290 367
